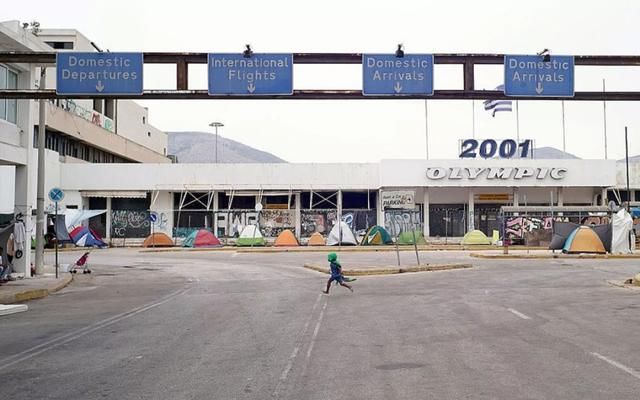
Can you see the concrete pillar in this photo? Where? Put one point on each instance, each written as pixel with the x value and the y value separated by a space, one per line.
pixel 471 214
pixel 632 195
pixel 516 197
pixel 215 207
pixel 560 196
pixel 603 197
pixel 23 204
pixel 339 202
pixel 297 215
pixel 108 227
pixel 425 206
pixel 379 209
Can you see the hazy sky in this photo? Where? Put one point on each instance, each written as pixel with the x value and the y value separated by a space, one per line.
pixel 370 130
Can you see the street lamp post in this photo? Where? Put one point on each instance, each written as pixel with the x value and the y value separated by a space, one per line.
pixel 216 125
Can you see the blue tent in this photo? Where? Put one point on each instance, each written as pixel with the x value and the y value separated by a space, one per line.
pixel 85 237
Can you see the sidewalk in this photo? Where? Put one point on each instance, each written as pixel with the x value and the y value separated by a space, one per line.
pixel 33 288
pixel 547 254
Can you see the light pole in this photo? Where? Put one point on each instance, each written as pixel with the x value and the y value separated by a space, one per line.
pixel 216 125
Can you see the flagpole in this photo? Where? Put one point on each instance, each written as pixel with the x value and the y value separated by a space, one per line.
pixel 604 114
pixel 517 123
pixel 426 128
pixel 473 119
pixel 564 131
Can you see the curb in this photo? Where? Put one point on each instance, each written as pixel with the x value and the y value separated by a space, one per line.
pixel 324 249
pixel 552 256
pixel 390 270
pixel 33 294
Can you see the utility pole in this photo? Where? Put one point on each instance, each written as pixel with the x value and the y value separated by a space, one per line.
pixel 40 192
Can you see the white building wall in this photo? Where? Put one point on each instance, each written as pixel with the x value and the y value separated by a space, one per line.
pixel 163 206
pixel 132 122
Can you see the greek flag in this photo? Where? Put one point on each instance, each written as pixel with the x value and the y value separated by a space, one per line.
pixel 498 105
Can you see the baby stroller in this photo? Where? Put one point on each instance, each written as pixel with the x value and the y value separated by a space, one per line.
pixel 81 263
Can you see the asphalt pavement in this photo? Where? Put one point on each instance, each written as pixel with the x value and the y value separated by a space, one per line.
pixel 255 326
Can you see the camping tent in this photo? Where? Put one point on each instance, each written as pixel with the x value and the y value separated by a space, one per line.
pixel 622 225
pixel 74 217
pixel 475 237
pixel 286 238
pixel 250 236
pixel 583 240
pixel 83 236
pixel 341 234
pixel 201 238
pixel 157 239
pixel 408 238
pixel 316 240
pixel 60 229
pixel 376 235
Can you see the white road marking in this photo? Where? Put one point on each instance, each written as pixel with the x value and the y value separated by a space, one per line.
pixel 518 313
pixel 616 364
pixel 69 337
pixel 315 331
pixel 296 349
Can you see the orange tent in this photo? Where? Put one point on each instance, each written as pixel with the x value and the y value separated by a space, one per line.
pixel 286 238
pixel 158 239
pixel 316 240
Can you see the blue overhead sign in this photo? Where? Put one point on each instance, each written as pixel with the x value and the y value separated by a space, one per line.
pixel 532 76
pixel 260 74
pixel 386 74
pixel 99 73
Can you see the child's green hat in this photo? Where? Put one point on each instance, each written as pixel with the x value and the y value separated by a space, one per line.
pixel 332 257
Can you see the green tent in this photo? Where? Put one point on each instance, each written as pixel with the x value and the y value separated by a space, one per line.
pixel 475 237
pixel 408 238
pixel 250 236
pixel 376 235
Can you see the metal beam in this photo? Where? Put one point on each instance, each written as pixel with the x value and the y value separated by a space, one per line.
pixel 318 95
pixel 321 58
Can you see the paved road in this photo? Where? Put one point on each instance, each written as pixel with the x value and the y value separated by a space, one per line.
pixel 255 326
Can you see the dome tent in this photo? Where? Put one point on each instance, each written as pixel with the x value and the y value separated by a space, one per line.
pixel 157 239
pixel 250 236
pixel 376 235
pixel 286 238
pixel 341 234
pixel 201 238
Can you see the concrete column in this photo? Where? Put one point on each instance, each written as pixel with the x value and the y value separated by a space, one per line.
pixel 215 207
pixel 632 195
pixel 339 205
pixel 603 197
pixel 23 203
pixel 108 227
pixel 471 214
pixel 298 215
pixel 379 209
pixel 425 207
pixel 560 196
pixel 516 197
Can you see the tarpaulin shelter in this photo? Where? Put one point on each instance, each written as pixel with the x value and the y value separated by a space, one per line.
pixel 83 236
pixel 286 238
pixel 316 240
pixel 201 238
pixel 341 234
pixel 410 237
pixel 74 217
pixel 475 237
pixel 250 236
pixel 583 240
pixel 622 226
pixel 157 239
pixel 376 235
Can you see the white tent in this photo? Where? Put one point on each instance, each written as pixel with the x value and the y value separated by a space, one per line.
pixel 341 234
pixel 250 236
pixel 622 226
pixel 74 217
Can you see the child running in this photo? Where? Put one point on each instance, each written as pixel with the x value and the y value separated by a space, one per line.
pixel 336 273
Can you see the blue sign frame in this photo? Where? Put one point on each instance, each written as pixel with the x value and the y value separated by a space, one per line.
pixel 99 73
pixel 554 78
pixel 388 75
pixel 232 74
pixel 56 194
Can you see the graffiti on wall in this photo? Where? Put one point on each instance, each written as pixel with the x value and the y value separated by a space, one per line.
pixel 130 224
pixel 396 222
pixel 321 221
pixel 273 222
pixel 516 227
pixel 359 220
pixel 231 223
